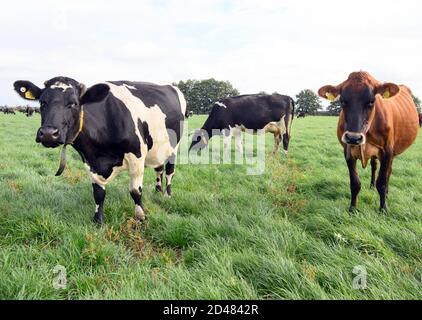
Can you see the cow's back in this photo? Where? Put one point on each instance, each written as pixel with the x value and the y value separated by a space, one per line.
pixel 158 113
pixel 399 117
pixel 257 111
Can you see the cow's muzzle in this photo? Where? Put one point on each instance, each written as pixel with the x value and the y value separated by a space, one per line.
pixel 49 137
pixel 354 138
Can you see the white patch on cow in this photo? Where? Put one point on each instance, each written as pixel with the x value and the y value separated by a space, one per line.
pixel 139 213
pixel 97 208
pixel 62 86
pixel 282 126
pixel 169 178
pixel 129 87
pixel 136 168
pixel 156 119
pixel 220 104
pixel 182 100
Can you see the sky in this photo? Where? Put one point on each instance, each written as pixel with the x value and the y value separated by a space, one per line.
pixel 257 45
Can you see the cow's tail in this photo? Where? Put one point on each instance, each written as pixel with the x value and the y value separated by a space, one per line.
pixel 292 116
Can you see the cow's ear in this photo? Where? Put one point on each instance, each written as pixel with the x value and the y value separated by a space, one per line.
pixel 95 94
pixel 27 90
pixel 330 93
pixel 387 90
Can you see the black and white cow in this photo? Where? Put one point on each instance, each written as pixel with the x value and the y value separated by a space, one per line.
pixel 114 126
pixel 231 116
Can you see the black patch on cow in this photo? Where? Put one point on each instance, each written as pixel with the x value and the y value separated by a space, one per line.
pixel 144 130
pixel 109 133
pixel 166 98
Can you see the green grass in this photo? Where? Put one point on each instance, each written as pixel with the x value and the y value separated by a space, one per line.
pixel 286 234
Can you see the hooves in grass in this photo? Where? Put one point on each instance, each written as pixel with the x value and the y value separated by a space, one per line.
pixel 384 211
pixel 98 219
pixel 353 210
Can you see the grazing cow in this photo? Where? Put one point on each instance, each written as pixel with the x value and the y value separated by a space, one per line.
pixel 378 121
pixel 189 114
pixel 29 111
pixel 231 116
pixel 113 126
pixel 10 111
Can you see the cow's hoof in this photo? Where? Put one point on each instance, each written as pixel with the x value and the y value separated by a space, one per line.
pixel 159 189
pixel 353 210
pixel 384 211
pixel 98 220
pixel 167 195
pixel 140 214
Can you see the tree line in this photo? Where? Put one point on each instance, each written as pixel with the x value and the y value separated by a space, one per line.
pixel 202 94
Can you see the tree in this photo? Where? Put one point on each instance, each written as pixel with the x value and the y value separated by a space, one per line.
pixel 202 94
pixel 334 108
pixel 308 102
pixel 418 103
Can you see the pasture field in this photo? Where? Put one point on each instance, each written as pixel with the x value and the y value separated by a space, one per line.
pixel 286 234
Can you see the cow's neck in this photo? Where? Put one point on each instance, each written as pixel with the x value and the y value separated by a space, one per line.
pixel 95 136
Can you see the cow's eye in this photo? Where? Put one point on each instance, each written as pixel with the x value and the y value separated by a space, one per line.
pixel 372 103
pixel 72 105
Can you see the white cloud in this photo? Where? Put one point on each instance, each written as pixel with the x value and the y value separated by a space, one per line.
pixel 269 45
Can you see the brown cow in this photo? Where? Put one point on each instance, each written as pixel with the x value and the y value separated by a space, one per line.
pixel 378 122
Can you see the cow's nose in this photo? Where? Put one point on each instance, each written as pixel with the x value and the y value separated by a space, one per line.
pixel 354 138
pixel 48 134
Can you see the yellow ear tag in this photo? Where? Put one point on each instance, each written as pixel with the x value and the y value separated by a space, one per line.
pixel 330 96
pixel 386 95
pixel 29 95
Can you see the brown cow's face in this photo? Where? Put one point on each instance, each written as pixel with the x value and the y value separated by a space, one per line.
pixel 358 109
pixel 358 99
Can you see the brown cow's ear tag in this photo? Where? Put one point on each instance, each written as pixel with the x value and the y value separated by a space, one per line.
pixel 330 96
pixel 386 94
pixel 28 94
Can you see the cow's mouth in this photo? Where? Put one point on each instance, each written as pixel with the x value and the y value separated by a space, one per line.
pixel 354 138
pixel 51 145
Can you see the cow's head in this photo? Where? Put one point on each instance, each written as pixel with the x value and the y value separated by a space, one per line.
pixel 358 97
pixel 61 104
pixel 200 140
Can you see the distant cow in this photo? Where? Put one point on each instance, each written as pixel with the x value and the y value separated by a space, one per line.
pixel 114 126
pixel 270 113
pixel 10 111
pixel 301 115
pixel 29 111
pixel 189 114
pixel 378 121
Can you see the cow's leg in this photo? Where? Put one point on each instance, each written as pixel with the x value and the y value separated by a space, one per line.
pixel 384 178
pixel 239 142
pixel 136 172
pixel 159 182
pixel 99 197
pixel 170 172
pixel 374 167
pixel 355 185
pixel 277 142
pixel 227 140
